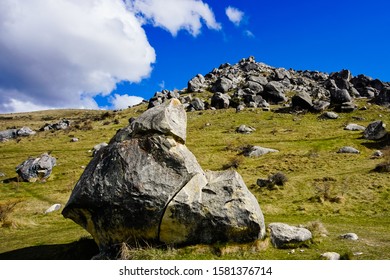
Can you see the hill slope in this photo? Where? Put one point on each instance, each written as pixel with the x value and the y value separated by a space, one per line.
pixel 325 189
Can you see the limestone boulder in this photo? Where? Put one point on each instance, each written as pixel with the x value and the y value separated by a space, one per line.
pixel 286 236
pixel 34 169
pixel 375 131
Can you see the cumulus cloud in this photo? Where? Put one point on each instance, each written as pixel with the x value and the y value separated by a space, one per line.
pixel 175 15
pixel 234 15
pixel 124 101
pixel 56 54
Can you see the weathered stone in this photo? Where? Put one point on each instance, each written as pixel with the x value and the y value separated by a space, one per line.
pixel 375 131
pixel 257 151
pixel 54 207
pixel 354 127
pixel 349 236
pixel 286 236
pixel 34 169
pixel 383 97
pixel 332 256
pixel 329 115
pixel 348 150
pixel 222 85
pixel 255 87
pixel 14 133
pixel 302 100
pixel 274 92
pixel 25 131
pixel 245 129
pixel 170 119
pixel 320 105
pixel 220 101
pixel 61 125
pixel 214 208
pixel 340 96
pixel 197 104
pixel 197 84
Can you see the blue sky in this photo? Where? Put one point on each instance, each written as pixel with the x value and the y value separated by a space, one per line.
pixel 163 44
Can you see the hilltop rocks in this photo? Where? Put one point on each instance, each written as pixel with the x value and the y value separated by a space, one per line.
pixel 220 101
pixel 375 131
pixel 257 151
pixel 286 236
pixel 62 124
pixel 146 185
pixel 34 169
pixel 14 133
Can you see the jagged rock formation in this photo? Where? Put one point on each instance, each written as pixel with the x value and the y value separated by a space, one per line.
pixel 147 186
pixel 254 84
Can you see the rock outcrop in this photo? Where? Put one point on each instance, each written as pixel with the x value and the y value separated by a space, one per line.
pixel 16 132
pixel 147 186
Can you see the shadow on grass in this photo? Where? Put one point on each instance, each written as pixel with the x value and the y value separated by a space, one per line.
pixel 83 249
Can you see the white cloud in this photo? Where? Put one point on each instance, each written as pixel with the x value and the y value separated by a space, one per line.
pixel 234 15
pixel 175 15
pixel 56 54
pixel 124 101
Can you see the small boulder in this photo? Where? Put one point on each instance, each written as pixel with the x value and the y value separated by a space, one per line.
pixel 286 236
pixel 34 169
pixel 349 236
pixel 330 256
pixel 354 127
pixel 329 115
pixel 197 104
pixel 245 129
pixel 375 131
pixel 257 151
pixel 348 150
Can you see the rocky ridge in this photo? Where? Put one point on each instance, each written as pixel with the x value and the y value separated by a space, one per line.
pixel 257 85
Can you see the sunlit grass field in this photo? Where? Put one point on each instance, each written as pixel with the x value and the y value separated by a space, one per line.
pixel 338 191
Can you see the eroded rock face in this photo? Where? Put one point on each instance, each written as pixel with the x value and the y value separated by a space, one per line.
pixel 147 186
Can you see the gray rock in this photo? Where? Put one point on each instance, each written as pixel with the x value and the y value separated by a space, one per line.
pixel 34 169
pixel 220 101
pixel 169 118
pixel 25 131
pixel 383 97
pixel 377 154
pixel 197 84
pixel 258 79
pixel 274 92
pixel 320 105
pixel 348 150
pixel 354 127
pixel 329 115
pixel 74 139
pixel 256 88
pixel 61 125
pixel 349 236
pixel 286 236
pixel 197 104
pixel 240 108
pixel 375 131
pixel 330 256
pixel 245 129
pixel 302 100
pixel 218 207
pixel 98 147
pixel 257 151
pixel 222 85
pixel 340 96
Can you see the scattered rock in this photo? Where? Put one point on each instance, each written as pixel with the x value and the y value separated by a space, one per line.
pixel 286 236
pixel 197 104
pixel 349 236
pixel 348 150
pixel 354 127
pixel 74 139
pixel 330 256
pixel 62 124
pixel 329 115
pixel 377 154
pixel 34 169
pixel 14 133
pixel 257 151
pixel 375 131
pixel 53 208
pixel 245 129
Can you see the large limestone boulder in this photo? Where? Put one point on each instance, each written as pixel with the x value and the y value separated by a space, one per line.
pixel 147 186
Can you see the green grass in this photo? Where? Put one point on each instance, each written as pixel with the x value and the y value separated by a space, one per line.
pixel 338 190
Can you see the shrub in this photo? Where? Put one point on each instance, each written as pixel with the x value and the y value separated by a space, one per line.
pixel 278 179
pixel 6 208
pixel 234 163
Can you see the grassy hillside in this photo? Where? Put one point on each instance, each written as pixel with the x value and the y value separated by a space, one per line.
pixel 332 193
